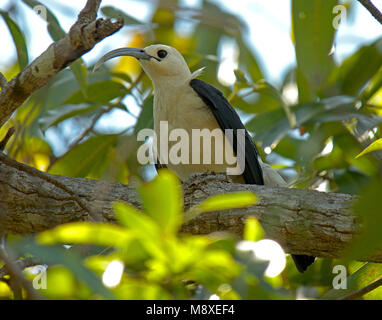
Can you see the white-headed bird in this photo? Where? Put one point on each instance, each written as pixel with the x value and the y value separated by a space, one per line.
pixel 185 102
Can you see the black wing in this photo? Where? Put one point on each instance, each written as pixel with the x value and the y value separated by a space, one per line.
pixel 227 118
pixel 158 165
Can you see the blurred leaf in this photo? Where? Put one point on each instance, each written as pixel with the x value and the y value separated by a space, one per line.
pixel 101 92
pixel 288 147
pixel 86 233
pixel 81 73
pixel 240 77
pixel 271 127
pixel 349 181
pixel 249 60
pixel 266 88
pixel 145 119
pixel 364 277
pixel 376 145
pixel 368 208
pixel 373 86
pixel 313 34
pixel 222 202
pixel 85 157
pixel 359 68
pixel 163 200
pixel 54 117
pixel 54 255
pixel 132 289
pixel 253 230
pixel 54 28
pixel 112 12
pixel 62 284
pixel 18 39
pixel 141 224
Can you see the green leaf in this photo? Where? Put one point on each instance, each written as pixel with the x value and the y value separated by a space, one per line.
pixel 271 127
pixel 107 235
pixel 357 283
pixel 373 86
pixel 54 28
pixel 349 180
pixel 249 60
pixel 101 92
pixel 142 226
pixel 81 73
pixel 88 157
pixel 54 255
pixel 368 209
pixel 112 12
pixel 354 73
pixel 135 220
pixel 163 200
pixel 145 119
pixel 54 117
pixel 228 201
pixel 18 39
pixel 266 88
pixel 253 230
pixel 376 145
pixel 313 33
pixel 288 147
pixel 222 202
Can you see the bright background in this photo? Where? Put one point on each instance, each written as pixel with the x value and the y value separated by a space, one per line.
pixel 274 47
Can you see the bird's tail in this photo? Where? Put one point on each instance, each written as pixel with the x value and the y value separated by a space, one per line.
pixel 273 178
pixel 302 261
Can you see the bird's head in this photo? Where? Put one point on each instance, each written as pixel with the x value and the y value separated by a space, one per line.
pixel 161 63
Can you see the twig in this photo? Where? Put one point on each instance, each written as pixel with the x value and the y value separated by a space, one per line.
pixel 91 126
pixel 95 120
pixel 372 9
pixel 354 295
pixel 8 135
pixel 83 134
pixel 21 264
pixel 20 166
pixel 82 37
pixel 15 273
pixel 3 81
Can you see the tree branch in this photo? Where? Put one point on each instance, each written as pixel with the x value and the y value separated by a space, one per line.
pixel 82 37
pixel 372 9
pixel 14 271
pixel 302 221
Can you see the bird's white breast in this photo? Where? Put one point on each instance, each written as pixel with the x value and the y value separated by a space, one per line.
pixel 182 108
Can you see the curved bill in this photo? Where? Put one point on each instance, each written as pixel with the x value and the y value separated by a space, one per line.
pixel 132 52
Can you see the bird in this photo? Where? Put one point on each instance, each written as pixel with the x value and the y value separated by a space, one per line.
pixel 186 102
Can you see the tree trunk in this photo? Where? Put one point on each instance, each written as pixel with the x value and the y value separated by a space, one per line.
pixel 302 221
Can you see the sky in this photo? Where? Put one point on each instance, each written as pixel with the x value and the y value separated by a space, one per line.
pixel 274 47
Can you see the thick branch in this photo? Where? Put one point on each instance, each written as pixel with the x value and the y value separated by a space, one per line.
pixel 302 221
pixel 82 37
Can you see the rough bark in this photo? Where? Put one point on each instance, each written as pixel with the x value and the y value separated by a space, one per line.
pixel 82 37
pixel 302 221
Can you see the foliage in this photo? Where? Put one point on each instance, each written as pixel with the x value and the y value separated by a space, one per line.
pixel 319 139
pixel 158 262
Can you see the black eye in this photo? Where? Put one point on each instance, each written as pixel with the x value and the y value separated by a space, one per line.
pixel 162 53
